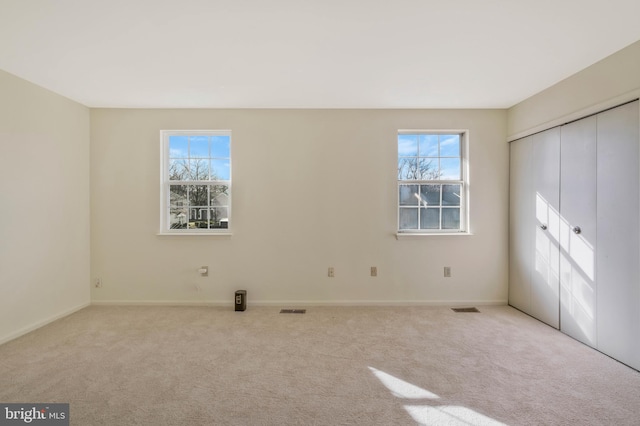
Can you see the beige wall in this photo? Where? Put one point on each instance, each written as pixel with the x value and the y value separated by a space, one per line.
pixel 614 80
pixel 311 189
pixel 44 225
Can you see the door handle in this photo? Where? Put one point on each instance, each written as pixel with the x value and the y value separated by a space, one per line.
pixel 577 230
pixel 543 227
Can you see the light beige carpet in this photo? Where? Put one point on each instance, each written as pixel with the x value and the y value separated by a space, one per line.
pixel 330 366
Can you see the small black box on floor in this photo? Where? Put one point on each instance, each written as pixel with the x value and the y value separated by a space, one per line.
pixel 241 300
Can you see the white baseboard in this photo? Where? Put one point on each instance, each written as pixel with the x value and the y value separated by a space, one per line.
pixel 289 303
pixel 161 303
pixel 42 323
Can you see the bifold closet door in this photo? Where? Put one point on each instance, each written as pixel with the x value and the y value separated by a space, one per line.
pixel 618 255
pixel 534 226
pixel 575 230
pixel 578 230
pixel 521 219
pixel 545 285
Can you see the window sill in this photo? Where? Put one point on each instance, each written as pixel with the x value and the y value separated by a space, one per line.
pixel 402 235
pixel 190 234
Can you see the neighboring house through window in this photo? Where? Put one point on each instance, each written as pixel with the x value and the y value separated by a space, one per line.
pixel 196 181
pixel 431 182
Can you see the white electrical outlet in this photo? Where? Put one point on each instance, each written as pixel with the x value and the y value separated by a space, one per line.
pixel 330 273
pixel 98 283
pixel 374 271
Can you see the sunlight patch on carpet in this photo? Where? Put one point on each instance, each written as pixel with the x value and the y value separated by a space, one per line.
pixel 453 415
pixel 400 388
pixel 449 415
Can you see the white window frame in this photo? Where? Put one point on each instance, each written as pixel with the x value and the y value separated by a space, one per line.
pixel 165 184
pixel 464 181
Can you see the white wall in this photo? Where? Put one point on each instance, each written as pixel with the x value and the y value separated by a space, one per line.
pixel 44 219
pixel 607 83
pixel 311 189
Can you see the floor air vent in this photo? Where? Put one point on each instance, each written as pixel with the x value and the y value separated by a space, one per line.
pixel 293 311
pixel 465 309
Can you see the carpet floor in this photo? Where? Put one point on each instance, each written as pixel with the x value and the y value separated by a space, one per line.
pixel 133 365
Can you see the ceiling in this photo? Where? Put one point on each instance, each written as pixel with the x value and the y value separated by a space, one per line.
pixel 308 53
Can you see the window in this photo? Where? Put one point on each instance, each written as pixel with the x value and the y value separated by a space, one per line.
pixel 196 182
pixel 431 182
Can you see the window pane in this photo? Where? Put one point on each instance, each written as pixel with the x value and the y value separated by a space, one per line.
pixel 220 170
pixel 178 207
pixel 408 195
pixel 178 196
pixel 198 195
pixel 407 145
pixel 429 218
pixel 219 195
pixel 178 146
pixel 450 145
pixel 177 218
pixel 178 169
pixel 450 168
pixel 405 167
pixel 199 169
pixel 199 147
pixel 451 195
pixel 428 169
pixel 429 145
pixel 409 218
pixel 199 214
pixel 219 217
pixel 451 218
pixel 412 168
pixel 220 146
pixel 430 195
pixel 199 218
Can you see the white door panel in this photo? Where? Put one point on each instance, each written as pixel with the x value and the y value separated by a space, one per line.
pixel 520 220
pixel 618 290
pixel 578 230
pixel 545 286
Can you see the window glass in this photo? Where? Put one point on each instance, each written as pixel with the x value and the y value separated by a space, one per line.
pixel 409 218
pixel 196 181
pixel 408 195
pixel 431 181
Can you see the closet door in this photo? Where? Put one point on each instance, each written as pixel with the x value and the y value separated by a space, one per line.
pixel 521 220
pixel 578 230
pixel 545 282
pixel 534 226
pixel 618 277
